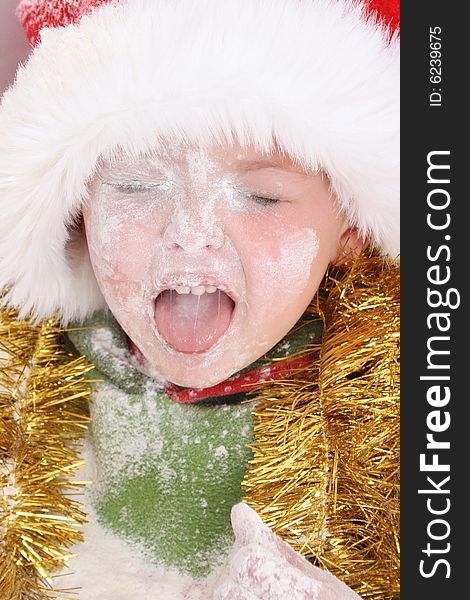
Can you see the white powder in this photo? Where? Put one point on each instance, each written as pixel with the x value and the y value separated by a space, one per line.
pixel 265 373
pixel 182 214
pixel 123 437
pixel 166 473
pixel 102 342
pixel 221 452
pixel 297 253
pixel 107 567
pixel 264 566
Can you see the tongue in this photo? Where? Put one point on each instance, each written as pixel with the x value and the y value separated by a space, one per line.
pixel 191 323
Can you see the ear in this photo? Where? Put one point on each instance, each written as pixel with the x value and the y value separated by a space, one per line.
pixel 350 245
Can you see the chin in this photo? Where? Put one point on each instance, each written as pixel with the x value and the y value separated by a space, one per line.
pixel 198 378
pixel 204 370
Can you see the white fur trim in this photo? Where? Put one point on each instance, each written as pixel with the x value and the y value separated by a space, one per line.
pixel 316 74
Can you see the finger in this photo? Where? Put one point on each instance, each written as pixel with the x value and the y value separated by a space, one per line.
pixel 249 527
pixel 294 558
pixel 332 588
pixel 261 571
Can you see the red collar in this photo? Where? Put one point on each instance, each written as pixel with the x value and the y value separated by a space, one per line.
pixel 238 383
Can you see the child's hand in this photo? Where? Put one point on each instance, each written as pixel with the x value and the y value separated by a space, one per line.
pixel 264 567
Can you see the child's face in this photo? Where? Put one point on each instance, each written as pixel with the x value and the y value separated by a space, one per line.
pixel 249 236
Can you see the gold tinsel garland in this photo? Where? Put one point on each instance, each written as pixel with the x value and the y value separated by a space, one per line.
pixel 42 418
pixel 325 472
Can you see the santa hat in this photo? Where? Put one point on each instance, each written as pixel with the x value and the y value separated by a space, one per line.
pixel 321 77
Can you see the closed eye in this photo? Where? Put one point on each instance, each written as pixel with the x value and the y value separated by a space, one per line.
pixel 264 200
pixel 132 187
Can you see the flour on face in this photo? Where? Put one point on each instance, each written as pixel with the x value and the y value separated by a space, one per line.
pixel 208 256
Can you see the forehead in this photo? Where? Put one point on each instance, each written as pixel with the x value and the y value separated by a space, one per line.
pixel 194 158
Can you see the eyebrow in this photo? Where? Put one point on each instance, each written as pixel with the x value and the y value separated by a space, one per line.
pixel 271 162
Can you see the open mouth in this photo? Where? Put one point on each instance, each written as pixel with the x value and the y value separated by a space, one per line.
pixel 193 318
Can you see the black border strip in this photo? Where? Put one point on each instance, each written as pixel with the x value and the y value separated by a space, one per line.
pixel 425 128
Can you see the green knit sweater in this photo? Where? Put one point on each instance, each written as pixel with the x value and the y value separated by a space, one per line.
pixel 167 474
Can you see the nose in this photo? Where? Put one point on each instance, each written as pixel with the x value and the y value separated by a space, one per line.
pixel 193 233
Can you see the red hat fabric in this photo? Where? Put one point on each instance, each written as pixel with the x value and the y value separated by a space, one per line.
pixel 388 11
pixel 36 14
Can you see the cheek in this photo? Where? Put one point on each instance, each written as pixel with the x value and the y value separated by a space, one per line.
pixel 132 250
pixel 280 261
pixel 291 259
pixel 120 250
